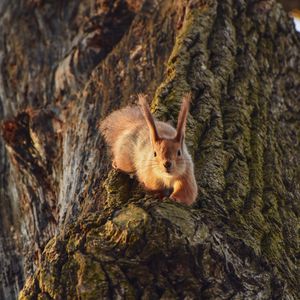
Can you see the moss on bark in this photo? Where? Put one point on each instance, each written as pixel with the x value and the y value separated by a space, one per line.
pixel 241 61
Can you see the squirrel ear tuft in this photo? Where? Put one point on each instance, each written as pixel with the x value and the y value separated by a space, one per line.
pixel 148 117
pixel 181 123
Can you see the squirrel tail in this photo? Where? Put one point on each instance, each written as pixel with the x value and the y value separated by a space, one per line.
pixel 118 121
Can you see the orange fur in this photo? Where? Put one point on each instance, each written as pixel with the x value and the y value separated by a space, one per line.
pixel 151 149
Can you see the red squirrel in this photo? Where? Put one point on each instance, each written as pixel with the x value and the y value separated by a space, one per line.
pixel 153 150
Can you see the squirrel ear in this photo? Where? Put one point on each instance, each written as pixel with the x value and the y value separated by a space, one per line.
pixel 148 117
pixel 182 117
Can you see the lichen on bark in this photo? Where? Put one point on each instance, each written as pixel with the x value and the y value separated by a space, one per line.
pixel 241 61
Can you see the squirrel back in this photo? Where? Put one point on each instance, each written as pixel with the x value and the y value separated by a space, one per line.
pixel 119 121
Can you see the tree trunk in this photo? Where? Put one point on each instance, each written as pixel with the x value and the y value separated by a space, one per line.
pixel 76 229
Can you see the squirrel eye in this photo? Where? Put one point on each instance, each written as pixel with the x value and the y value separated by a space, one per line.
pixel 154 154
pixel 178 152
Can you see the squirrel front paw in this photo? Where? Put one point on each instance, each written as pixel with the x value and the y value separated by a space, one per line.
pixel 114 165
pixel 185 200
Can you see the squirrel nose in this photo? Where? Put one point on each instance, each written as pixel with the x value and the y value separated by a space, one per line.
pixel 167 165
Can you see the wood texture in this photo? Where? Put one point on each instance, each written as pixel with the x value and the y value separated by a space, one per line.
pixel 74 228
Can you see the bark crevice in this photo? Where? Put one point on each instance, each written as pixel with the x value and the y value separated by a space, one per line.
pixel 101 234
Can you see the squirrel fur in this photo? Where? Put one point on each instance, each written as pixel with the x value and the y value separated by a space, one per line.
pixel 153 150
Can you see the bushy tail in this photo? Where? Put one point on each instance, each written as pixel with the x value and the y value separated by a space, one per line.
pixel 118 121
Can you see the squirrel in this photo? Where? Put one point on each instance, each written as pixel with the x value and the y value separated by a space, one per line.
pixel 153 150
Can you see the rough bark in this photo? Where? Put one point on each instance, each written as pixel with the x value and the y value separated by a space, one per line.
pixel 67 64
pixel 290 4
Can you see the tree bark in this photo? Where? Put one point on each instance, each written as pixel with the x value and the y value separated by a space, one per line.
pixel 76 229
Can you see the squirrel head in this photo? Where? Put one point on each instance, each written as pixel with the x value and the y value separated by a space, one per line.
pixel 169 154
pixel 168 157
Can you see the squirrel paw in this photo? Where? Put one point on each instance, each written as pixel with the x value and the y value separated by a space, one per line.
pixel 174 199
pixel 114 165
pixel 185 201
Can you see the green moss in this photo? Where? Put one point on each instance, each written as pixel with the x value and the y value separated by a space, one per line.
pixel 117 278
pixel 131 217
pixel 181 216
pixel 52 260
pixel 94 243
pixel 44 296
pixel 29 291
pixel 74 243
pixel 92 280
pixel 48 281
pixel 118 187
pixel 168 294
pixel 271 209
pixel 256 225
pixel 272 246
pixel 68 278
pixel 175 83
pixel 126 228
